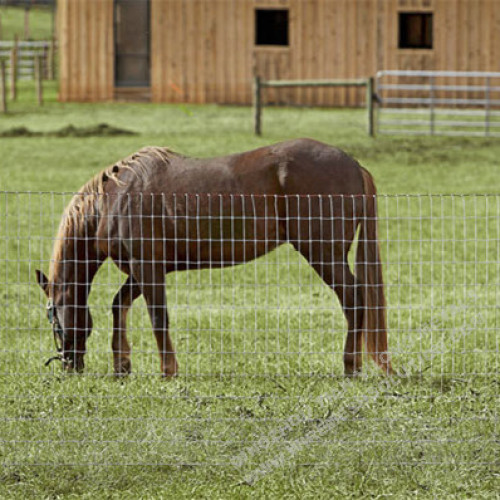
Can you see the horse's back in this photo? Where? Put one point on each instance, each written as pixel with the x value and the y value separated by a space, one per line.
pixel 298 166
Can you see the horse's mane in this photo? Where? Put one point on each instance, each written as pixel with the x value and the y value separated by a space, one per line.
pixel 81 214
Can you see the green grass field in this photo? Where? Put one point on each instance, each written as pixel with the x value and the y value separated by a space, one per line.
pixel 261 408
pixel 12 23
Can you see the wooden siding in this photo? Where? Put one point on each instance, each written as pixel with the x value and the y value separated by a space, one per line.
pixel 203 51
pixel 86 61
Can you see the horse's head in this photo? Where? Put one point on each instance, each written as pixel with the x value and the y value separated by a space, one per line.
pixel 71 323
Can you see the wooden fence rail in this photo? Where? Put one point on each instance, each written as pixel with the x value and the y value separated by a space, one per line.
pixel 21 55
pixel 27 60
pixel 260 84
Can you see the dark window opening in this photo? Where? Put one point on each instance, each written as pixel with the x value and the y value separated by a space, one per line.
pixel 271 27
pixel 415 30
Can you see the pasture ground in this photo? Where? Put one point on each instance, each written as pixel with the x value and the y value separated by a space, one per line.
pixel 12 23
pixel 293 428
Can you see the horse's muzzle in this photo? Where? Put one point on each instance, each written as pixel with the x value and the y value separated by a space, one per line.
pixel 73 362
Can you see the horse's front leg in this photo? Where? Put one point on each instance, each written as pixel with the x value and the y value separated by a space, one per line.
pixel 151 279
pixel 122 302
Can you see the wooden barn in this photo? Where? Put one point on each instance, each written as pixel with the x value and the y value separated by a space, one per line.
pixel 206 51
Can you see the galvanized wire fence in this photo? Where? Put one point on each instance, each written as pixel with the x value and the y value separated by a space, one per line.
pixel 248 337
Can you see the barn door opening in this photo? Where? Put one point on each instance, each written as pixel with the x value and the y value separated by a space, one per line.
pixel 132 42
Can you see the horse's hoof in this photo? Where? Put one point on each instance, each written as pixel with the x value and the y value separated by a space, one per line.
pixel 171 372
pixel 123 367
pixel 170 369
pixel 352 370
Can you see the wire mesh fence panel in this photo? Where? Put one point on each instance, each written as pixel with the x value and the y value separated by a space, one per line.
pixel 251 287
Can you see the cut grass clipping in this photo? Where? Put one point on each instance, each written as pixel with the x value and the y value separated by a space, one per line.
pixel 101 130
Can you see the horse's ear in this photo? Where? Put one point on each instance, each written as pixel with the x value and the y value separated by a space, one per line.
pixel 42 281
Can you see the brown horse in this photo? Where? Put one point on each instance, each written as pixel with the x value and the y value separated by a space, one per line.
pixel 301 191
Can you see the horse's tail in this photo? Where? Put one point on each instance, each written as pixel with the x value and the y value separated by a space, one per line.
pixel 369 275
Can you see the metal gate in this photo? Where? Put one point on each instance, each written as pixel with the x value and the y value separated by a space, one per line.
pixel 438 103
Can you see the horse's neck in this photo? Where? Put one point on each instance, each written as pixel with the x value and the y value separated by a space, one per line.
pixel 75 265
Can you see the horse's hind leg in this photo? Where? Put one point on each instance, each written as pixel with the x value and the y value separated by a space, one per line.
pixel 335 272
pixel 351 298
pixel 329 260
pixel 323 233
pixel 121 304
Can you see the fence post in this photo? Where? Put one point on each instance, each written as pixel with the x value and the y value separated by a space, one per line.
pixel 369 104
pixel 433 114
pixel 13 72
pixel 3 89
pixel 51 59
pixel 38 79
pixel 487 108
pixel 257 104
pixel 26 23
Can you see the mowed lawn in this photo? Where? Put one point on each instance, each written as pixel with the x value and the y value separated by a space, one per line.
pixel 13 23
pixel 260 408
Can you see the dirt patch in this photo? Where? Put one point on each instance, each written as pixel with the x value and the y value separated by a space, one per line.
pixel 101 130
